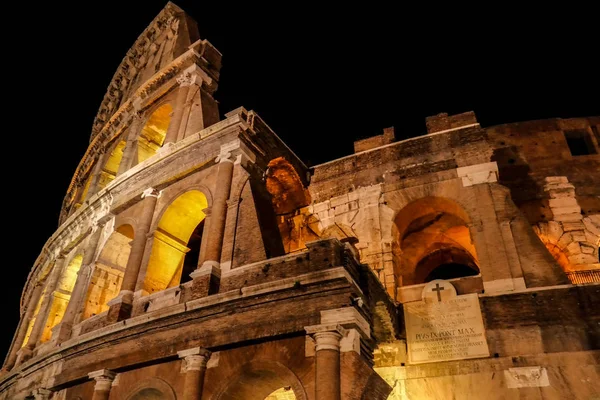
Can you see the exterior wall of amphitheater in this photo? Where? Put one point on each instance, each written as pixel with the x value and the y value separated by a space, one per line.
pixel 301 276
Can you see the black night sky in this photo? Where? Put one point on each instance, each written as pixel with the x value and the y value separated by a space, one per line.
pixel 320 76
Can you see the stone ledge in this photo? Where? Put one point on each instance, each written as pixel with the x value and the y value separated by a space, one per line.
pixel 180 309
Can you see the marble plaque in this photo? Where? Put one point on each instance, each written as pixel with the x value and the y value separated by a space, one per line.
pixel 444 326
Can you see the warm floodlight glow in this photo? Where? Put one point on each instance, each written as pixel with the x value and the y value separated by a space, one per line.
pixel 171 238
pixel 110 169
pixel 86 189
pixel 284 393
pixel 33 318
pixel 107 276
pixel 154 132
pixel 432 233
pixel 61 296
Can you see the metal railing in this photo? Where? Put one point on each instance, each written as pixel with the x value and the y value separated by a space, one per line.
pixel 589 276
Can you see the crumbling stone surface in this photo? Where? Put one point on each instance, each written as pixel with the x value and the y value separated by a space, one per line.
pixel 286 268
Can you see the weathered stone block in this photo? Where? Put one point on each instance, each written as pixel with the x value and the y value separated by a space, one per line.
pixel 321 207
pixel 591 226
pixel 573 248
pixel 555 179
pixel 563 202
pixel 566 210
pixel 573 226
pixel 568 217
pixel 342 209
pixel 578 236
pixel 582 258
pixel 477 174
pixel 587 249
pixel 565 240
pixel 339 200
pixel 561 193
pixel 554 230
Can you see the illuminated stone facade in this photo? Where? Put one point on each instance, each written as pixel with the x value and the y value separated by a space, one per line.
pixel 199 258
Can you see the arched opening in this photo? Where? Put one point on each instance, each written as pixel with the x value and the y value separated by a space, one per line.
pixel 83 193
pixel 264 380
pixel 148 394
pixel 33 318
pixel 154 132
pixel 61 296
pixel 177 241
pixel 284 393
pixel 40 281
pixel 288 196
pixel 445 263
pixel 152 389
pixel 433 241
pixel 111 167
pixel 285 186
pixel 108 272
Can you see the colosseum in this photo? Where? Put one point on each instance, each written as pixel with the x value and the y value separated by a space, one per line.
pixel 198 257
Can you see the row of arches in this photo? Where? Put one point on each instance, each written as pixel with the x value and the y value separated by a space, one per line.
pixel 433 241
pixel 147 143
pixel 175 253
pixel 271 381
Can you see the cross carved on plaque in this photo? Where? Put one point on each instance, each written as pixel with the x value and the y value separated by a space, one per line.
pixel 438 289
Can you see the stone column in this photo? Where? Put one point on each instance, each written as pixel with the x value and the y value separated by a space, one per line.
pixel 120 307
pixel 206 278
pixel 104 379
pixel 195 108
pixel 130 150
pixel 207 212
pixel 62 331
pixel 97 173
pixel 40 320
pixel 219 210
pixel 22 331
pixel 178 109
pixel 194 368
pixel 327 349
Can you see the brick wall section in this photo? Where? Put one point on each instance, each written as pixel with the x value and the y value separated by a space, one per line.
pixel 387 137
pixel 568 318
pixel 83 391
pixel 237 368
pixel 527 152
pixel 443 121
pixel 135 380
pixel 219 326
pixel 425 155
pixel 358 378
pixel 319 257
pixel 249 246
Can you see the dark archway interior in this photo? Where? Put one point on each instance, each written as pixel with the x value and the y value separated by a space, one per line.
pixel 450 271
pixel 432 231
pixel 446 263
pixel 190 262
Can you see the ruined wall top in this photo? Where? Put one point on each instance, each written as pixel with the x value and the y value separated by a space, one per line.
pixel 443 121
pixel 167 37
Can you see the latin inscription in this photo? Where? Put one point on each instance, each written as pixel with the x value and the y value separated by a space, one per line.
pixel 445 330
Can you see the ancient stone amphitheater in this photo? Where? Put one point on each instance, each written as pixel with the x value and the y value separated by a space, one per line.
pixel 199 258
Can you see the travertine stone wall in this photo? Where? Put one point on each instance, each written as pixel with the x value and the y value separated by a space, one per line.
pixel 277 300
pixel 572 238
